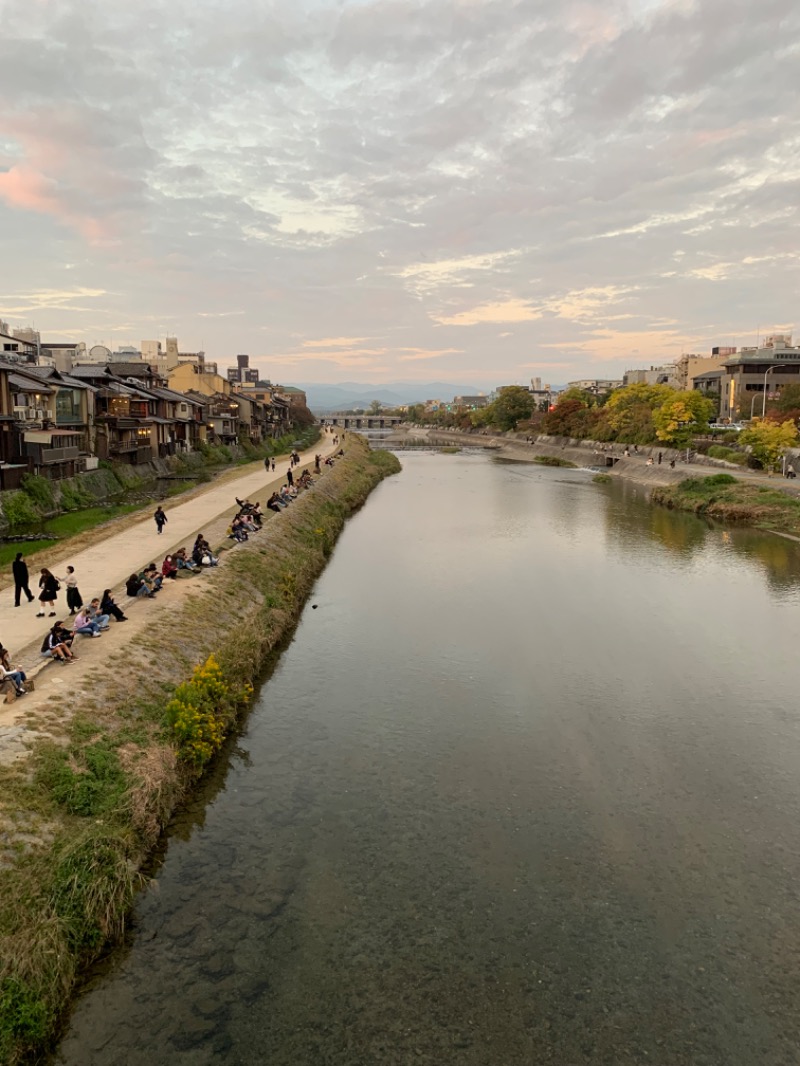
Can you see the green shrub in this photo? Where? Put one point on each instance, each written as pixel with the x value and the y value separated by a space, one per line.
pixel 602 479
pixel 21 512
pixel 72 496
pixel 87 781
pixel 40 491
pixel 24 1018
pixel 730 455
pixel 717 479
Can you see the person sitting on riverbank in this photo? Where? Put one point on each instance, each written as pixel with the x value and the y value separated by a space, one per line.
pixel 202 553
pixel 109 607
pixel 16 675
pixel 57 646
pixel 273 504
pixel 169 568
pixel 135 587
pixel 237 531
pixel 183 563
pixel 151 577
pixel 97 615
pixel 84 625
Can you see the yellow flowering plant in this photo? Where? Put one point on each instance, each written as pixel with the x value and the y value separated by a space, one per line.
pixel 202 710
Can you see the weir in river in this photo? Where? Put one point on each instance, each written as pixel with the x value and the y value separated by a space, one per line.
pixel 523 789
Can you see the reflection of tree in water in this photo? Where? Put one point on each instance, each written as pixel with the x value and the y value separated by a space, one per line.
pixel 633 523
pixel 679 532
pixel 776 556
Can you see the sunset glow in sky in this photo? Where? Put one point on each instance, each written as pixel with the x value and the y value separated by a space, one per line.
pixel 380 190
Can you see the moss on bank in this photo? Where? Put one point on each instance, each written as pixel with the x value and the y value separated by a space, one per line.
pixel 727 499
pixel 82 814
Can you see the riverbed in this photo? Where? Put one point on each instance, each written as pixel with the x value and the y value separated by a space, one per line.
pixel 523 789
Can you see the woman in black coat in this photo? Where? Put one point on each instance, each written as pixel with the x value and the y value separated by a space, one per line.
pixel 109 606
pixel 49 585
pixel 19 568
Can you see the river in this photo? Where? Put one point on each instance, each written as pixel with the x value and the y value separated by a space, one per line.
pixel 522 790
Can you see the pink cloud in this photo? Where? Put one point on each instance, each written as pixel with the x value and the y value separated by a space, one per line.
pixel 24 187
pixel 67 166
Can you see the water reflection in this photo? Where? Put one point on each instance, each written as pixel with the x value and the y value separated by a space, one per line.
pixel 513 795
pixel 634 526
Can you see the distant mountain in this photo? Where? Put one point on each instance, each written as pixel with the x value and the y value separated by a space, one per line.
pixel 323 399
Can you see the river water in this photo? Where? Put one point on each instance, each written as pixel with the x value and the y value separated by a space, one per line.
pixel 523 790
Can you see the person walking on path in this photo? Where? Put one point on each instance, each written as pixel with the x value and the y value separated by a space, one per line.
pixel 74 599
pixel 273 466
pixel 659 458
pixel 290 476
pixel 266 464
pixel 317 460
pixel 19 568
pixel 49 585
pixel 160 518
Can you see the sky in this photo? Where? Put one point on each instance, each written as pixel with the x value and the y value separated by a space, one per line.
pixel 480 191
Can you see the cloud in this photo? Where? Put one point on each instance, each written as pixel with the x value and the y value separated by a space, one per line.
pixel 335 342
pixel 493 313
pixel 418 355
pixel 358 181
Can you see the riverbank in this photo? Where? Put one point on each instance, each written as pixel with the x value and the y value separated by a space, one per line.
pixel 81 815
pixel 727 499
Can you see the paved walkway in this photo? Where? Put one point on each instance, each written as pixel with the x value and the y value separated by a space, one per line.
pixel 109 563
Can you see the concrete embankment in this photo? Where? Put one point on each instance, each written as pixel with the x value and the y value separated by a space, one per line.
pixel 590 455
pixel 81 814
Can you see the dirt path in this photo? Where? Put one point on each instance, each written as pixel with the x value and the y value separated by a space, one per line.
pixel 107 564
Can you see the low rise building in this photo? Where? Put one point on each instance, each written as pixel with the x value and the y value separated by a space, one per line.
pixel 656 375
pixel 596 386
pixel 756 375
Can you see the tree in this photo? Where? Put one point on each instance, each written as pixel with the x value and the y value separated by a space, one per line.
pixel 375 407
pixel 788 398
pixel 514 404
pixel 680 417
pixel 629 411
pixel 769 440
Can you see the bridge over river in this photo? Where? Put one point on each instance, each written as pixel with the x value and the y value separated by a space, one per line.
pixel 362 421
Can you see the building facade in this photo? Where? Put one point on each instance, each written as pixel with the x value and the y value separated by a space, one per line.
pixel 756 375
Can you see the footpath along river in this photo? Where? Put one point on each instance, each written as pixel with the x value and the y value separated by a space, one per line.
pixel 524 789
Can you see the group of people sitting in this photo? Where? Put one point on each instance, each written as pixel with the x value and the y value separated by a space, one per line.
pixel 148 582
pixel 91 620
pixel 248 520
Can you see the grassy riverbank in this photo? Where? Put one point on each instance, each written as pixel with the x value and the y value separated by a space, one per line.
pixel 80 816
pixel 727 499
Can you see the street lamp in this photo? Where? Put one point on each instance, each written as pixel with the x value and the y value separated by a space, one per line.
pixel 764 405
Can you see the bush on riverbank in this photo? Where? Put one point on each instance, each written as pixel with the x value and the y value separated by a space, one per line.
pixel 553 460
pixel 727 499
pixel 730 455
pixel 76 831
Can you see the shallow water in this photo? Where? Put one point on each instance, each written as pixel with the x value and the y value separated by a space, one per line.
pixel 522 790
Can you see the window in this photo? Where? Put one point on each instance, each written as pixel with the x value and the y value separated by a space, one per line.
pixel 68 405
